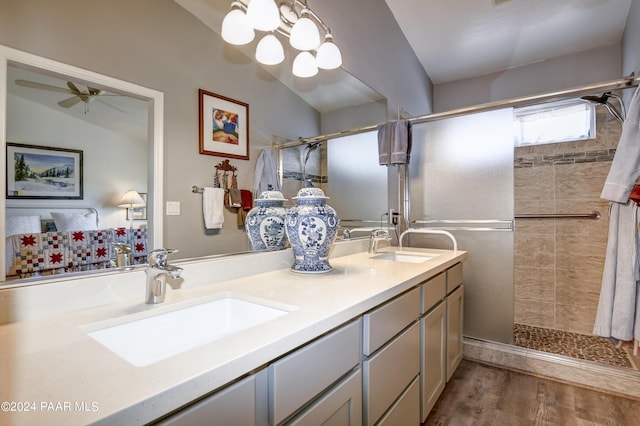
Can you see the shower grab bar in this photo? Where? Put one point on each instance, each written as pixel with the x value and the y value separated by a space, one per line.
pixel 595 215
pixel 490 224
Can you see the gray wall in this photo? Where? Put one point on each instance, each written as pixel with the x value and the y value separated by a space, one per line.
pixel 590 66
pixel 631 41
pixel 375 50
pixel 158 44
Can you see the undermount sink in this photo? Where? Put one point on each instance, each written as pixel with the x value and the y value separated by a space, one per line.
pixel 406 257
pixel 160 335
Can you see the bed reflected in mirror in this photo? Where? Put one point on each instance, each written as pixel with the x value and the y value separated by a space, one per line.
pixel 76 142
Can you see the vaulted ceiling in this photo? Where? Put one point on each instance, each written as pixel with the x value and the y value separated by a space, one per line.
pixel 457 39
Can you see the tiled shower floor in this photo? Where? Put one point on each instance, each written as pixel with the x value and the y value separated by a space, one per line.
pixel 580 346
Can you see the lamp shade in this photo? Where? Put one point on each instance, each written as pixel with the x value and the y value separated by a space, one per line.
pixel 131 199
pixel 270 50
pixel 236 28
pixel 304 34
pixel 263 15
pixel 328 56
pixel 304 65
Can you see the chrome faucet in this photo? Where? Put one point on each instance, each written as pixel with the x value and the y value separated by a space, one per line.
pixel 157 273
pixel 377 236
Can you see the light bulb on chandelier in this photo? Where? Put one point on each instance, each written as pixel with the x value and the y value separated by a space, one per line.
pixel 292 19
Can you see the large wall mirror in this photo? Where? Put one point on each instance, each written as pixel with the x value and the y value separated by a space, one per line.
pixel 106 136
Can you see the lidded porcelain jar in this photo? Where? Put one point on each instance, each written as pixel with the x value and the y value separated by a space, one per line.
pixel 311 227
pixel 265 222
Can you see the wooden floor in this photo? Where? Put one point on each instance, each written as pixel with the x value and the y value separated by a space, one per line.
pixel 481 395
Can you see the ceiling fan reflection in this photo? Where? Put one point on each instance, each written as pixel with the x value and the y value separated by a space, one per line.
pixel 80 93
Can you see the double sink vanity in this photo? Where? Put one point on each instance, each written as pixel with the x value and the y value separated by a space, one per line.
pixel 239 340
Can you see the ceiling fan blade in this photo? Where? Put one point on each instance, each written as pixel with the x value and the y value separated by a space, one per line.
pixel 69 102
pixel 34 85
pixel 111 106
pixel 77 87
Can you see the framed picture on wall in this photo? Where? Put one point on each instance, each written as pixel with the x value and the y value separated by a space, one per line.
pixel 224 126
pixel 43 172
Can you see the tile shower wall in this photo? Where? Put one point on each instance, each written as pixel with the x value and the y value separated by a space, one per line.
pixel 558 262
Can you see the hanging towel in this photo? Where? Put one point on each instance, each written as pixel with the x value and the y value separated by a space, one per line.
pixel 384 145
pixel 235 199
pixel 625 167
pixel 400 142
pixel 247 199
pixel 246 204
pixel 213 207
pixel 394 142
pixel 266 173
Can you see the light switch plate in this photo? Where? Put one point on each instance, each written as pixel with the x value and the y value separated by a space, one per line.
pixel 173 208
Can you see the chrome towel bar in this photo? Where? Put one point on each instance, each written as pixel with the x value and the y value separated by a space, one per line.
pixel 593 215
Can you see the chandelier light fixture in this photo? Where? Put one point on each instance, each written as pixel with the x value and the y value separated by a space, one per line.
pixel 291 19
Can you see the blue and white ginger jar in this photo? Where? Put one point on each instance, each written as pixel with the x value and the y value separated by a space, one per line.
pixel 311 226
pixel 265 222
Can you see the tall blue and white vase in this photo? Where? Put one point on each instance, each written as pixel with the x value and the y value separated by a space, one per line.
pixel 265 222
pixel 311 226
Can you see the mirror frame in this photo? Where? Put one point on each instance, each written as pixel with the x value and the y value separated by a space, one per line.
pixel 9 56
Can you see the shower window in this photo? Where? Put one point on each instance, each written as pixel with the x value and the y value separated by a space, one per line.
pixel 552 122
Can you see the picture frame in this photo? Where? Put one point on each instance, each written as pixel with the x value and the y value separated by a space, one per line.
pixel 224 126
pixel 139 213
pixel 43 172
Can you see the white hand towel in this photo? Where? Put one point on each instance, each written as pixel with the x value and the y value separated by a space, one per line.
pixel 213 207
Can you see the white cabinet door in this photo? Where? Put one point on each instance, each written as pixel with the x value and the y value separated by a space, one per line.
pixel 232 406
pixel 433 328
pixel 341 406
pixel 455 313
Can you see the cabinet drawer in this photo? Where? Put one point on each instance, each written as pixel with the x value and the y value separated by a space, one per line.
pixel 406 410
pixel 381 324
pixel 389 372
pixel 433 291
pixel 234 405
pixel 297 378
pixel 454 277
pixel 342 405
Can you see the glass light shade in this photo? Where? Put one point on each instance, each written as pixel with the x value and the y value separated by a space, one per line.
pixel 269 50
pixel 236 28
pixel 304 34
pixel 263 15
pixel 328 56
pixel 304 65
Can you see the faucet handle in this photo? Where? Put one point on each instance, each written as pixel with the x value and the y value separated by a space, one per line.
pixel 158 257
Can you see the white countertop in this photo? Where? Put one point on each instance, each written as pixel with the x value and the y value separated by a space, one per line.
pixel 53 373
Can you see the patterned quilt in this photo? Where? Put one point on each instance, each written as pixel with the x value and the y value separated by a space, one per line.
pixel 57 252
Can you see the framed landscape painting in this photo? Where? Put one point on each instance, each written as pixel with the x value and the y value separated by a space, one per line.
pixel 224 126
pixel 42 172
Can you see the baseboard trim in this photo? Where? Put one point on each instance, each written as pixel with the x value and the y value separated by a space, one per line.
pixel 610 379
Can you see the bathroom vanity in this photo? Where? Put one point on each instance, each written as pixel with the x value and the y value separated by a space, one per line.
pixel 358 345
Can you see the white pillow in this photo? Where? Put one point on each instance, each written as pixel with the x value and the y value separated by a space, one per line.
pixel 23 225
pixel 75 221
